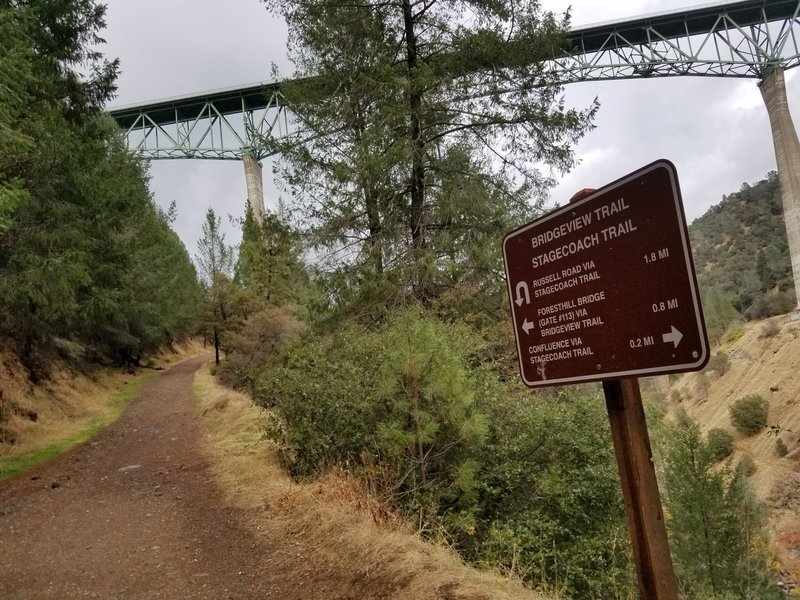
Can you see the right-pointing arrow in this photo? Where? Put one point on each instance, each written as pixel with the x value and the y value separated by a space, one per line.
pixel 527 326
pixel 673 336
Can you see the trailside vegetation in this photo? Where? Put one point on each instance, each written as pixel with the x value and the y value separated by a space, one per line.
pixel 88 263
pixel 418 134
pixel 715 523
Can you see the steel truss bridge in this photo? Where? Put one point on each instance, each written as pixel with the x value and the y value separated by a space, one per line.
pixel 749 38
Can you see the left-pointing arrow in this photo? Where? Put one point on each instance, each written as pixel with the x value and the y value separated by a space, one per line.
pixel 527 326
pixel 522 287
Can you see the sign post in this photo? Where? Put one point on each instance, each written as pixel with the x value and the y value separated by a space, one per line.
pixel 604 289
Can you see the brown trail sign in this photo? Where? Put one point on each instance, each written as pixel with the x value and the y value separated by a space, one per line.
pixel 604 289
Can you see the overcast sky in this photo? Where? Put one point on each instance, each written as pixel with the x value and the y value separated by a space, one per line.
pixel 716 131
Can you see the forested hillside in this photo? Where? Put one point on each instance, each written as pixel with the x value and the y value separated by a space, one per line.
pixel 742 256
pixel 89 267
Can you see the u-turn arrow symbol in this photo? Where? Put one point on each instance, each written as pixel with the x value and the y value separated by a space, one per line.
pixel 522 287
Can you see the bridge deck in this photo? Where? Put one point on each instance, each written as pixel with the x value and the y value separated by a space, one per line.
pixel 682 23
pixel 185 108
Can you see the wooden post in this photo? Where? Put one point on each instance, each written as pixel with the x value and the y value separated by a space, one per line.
pixel 640 490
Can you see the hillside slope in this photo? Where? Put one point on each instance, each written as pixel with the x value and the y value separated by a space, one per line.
pixel 765 360
pixel 741 256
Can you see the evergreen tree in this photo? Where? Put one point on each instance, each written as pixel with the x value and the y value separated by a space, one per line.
pixel 216 262
pixel 714 522
pixel 73 204
pixel 269 264
pixel 419 126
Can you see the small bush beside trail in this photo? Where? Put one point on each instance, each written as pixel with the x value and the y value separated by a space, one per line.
pixel 250 348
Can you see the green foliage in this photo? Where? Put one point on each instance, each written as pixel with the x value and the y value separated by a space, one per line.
pixel 749 414
pixel 510 479
pixel 781 449
pixel 550 505
pixel 269 264
pixel 215 257
pixel 411 160
pixel 715 524
pixel 719 363
pixel 409 425
pixel 719 312
pixel 248 350
pixel 746 466
pixel 225 304
pixel 720 444
pixel 85 256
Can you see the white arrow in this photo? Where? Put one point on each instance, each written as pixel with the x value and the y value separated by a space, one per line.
pixel 522 286
pixel 527 326
pixel 673 336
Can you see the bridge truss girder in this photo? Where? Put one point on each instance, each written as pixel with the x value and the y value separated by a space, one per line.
pixel 749 38
pixel 723 43
pixel 222 125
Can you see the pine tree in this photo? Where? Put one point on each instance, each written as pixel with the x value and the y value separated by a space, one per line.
pixel 714 522
pixel 215 263
pixel 74 205
pixel 419 128
pixel 269 264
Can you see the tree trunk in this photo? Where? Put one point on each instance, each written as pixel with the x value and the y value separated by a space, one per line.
pixel 216 345
pixel 417 182
pixel 423 476
pixel 374 224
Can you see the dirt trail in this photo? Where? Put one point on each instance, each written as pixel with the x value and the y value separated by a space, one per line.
pixel 134 514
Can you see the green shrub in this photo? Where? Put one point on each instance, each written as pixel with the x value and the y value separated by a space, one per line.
pixel 747 466
pixel 780 448
pixel 510 478
pixel 550 505
pixel 734 335
pixel 394 405
pixel 248 351
pixel 682 417
pixel 771 304
pixel 720 444
pixel 749 414
pixel 720 363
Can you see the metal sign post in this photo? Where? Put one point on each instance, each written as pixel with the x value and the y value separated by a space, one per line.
pixel 604 289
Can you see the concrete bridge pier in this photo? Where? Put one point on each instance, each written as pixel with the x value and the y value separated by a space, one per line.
pixel 255 186
pixel 787 154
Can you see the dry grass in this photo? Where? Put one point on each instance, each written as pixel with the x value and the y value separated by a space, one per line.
pixel 335 520
pixel 68 407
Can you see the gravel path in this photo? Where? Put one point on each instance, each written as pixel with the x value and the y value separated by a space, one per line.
pixel 133 514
